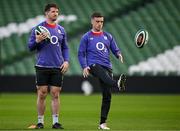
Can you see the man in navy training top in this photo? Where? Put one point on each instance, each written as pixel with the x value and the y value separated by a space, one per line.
pixel 52 56
pixel 94 58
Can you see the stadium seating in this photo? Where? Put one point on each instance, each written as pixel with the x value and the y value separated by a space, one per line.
pixel 123 19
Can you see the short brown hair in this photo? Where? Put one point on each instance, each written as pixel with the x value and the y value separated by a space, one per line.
pixel 96 14
pixel 48 6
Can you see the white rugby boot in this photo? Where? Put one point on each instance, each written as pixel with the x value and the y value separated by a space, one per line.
pixel 103 126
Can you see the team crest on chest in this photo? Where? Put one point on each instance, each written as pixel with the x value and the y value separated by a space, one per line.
pixel 105 37
pixel 59 31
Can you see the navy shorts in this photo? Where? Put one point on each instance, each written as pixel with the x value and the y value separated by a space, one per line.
pixel 49 76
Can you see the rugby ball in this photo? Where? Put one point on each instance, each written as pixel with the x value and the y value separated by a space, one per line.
pixel 40 29
pixel 141 38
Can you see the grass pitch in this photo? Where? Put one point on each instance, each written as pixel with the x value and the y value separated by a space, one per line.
pixel 79 112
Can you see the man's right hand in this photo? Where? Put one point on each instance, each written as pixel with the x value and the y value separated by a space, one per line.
pixel 86 71
pixel 42 36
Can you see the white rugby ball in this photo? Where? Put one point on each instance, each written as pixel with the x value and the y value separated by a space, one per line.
pixel 141 38
pixel 40 29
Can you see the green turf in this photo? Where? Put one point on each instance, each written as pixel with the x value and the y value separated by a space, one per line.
pixel 78 112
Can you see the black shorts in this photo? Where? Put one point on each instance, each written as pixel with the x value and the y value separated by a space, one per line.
pixel 49 76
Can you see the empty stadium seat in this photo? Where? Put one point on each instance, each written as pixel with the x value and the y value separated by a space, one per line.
pixel 124 18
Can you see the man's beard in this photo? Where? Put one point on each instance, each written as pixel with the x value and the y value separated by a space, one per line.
pixel 54 19
pixel 98 29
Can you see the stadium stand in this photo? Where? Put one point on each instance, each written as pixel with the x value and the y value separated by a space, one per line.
pixel 123 18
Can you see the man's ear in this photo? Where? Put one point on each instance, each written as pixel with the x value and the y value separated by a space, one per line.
pixel 46 13
pixel 91 21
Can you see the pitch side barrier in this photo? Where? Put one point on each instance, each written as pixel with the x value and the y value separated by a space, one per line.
pixel 73 84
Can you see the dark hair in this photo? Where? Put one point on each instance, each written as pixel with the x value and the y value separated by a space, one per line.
pixel 48 6
pixel 96 14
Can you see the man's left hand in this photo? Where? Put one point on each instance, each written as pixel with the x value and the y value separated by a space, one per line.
pixel 64 67
pixel 120 58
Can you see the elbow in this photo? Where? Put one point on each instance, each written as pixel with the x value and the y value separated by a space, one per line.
pixel 31 48
pixel 80 54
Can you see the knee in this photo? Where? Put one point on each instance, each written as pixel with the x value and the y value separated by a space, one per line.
pixel 55 94
pixel 107 97
pixel 42 94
